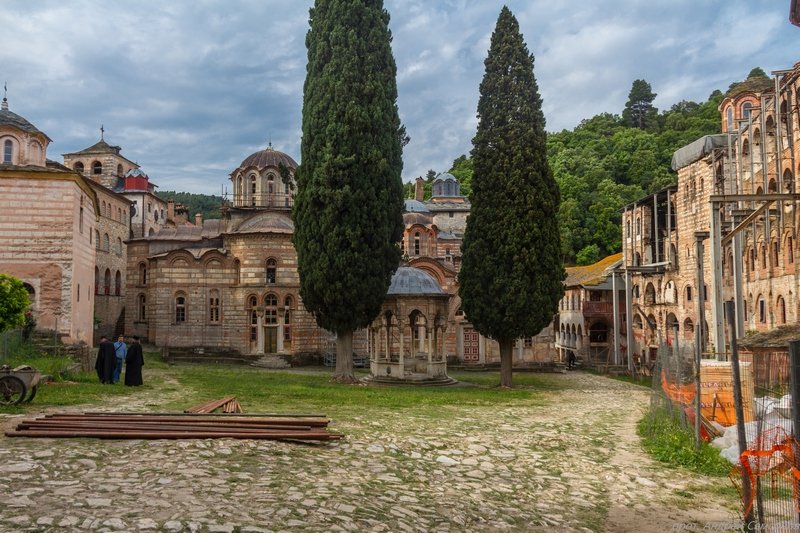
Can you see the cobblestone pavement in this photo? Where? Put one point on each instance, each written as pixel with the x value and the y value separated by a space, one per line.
pixel 571 463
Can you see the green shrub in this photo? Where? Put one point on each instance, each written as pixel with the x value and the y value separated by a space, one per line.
pixel 667 440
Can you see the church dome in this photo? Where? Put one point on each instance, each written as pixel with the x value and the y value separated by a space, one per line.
pixel 412 281
pixel 269 157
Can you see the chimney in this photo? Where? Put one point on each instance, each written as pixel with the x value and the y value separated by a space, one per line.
pixel 170 210
pixel 419 189
pixel 198 219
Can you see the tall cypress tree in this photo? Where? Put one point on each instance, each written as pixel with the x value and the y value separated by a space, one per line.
pixel 348 208
pixel 511 275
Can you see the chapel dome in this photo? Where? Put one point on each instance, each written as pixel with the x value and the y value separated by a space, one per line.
pixel 413 281
pixel 268 157
pixel 9 118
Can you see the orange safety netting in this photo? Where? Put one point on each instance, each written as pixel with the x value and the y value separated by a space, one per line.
pixel 771 454
pixel 683 394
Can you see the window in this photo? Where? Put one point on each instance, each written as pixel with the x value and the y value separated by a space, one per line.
pixel 789 250
pixel 416 243
pixel 149 207
pixel 450 214
pixel 106 244
pixel 107 282
pixel 213 306
pixel 689 293
pixel 119 246
pixel 287 319
pixel 272 267
pixel 746 108
pixel 237 272
pixel 142 307
pixel 80 221
pixel 78 167
pixel 117 283
pixel 762 310
pixel 729 119
pixel 638 226
pixel 79 292
pixel 781 308
pixel 96 280
pixel 528 342
pixel 142 274
pixel 271 309
pixel 97 168
pixel 180 308
pixel 8 152
pixel 119 170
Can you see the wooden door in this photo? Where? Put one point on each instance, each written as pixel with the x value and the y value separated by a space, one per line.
pixel 471 350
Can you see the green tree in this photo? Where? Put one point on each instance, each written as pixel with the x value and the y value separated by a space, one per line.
pixel 639 111
pixel 511 276
pixel 13 302
pixel 348 209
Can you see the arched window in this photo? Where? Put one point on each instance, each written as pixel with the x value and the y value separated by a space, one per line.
pixel 96 280
pixel 628 229
pixel 688 293
pixel 180 308
pixel 237 272
pixel 119 170
pixel 253 190
pixel 240 189
pixel 775 253
pixel 142 301
pixel 119 246
pixel 638 226
pixel 763 250
pixel 746 108
pixel 270 183
pixel 8 152
pixel 780 307
pixel 151 232
pixel 97 168
pixel 142 274
pixel 213 306
pixel 729 119
pixel 117 283
pixel 107 282
pixel 762 310
pixel 789 250
pixel 106 245
pixel 78 167
pixel 287 320
pixel 416 243
pixel 272 268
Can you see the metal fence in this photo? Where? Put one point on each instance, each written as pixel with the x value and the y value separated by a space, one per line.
pixel 747 415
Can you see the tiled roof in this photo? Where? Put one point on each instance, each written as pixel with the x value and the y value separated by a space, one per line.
pixel 189 232
pixel 268 157
pixel 100 147
pixel 591 274
pixel 9 118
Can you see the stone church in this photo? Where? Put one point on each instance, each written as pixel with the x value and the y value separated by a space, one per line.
pixel 231 285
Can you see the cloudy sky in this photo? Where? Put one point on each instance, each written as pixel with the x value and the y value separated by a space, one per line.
pixel 191 88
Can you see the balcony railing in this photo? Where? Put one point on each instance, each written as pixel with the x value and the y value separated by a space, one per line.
pixel 269 200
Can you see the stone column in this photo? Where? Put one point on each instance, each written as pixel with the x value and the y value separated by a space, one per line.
pixel 280 331
pixel 429 335
pixel 400 326
pixel 260 332
pixel 421 333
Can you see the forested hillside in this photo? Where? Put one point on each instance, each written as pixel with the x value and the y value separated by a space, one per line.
pixel 611 160
pixel 207 204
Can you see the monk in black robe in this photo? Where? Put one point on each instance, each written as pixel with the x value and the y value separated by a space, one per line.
pixel 105 361
pixel 134 362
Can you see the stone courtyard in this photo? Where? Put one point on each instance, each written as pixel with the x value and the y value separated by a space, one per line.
pixel 568 461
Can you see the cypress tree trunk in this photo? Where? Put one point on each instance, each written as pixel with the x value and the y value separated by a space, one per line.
pixel 344 359
pixel 506 362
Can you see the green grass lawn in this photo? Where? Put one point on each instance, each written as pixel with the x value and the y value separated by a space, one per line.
pixel 308 390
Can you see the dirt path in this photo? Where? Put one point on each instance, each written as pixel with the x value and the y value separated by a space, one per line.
pixel 571 463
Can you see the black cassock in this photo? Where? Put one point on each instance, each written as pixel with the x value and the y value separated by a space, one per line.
pixel 105 362
pixel 133 365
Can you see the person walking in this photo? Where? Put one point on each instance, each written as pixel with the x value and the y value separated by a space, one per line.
pixel 120 352
pixel 134 363
pixel 105 361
